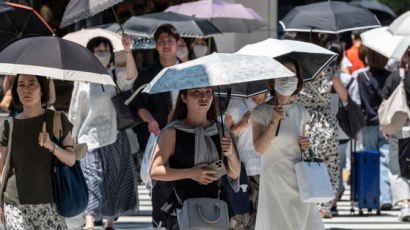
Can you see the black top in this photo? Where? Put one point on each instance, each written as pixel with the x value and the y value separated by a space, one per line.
pixel 158 104
pixel 393 81
pixel 370 88
pixel 184 157
pixel 29 180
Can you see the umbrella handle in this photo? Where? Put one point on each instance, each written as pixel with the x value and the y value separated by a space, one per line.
pixel 116 18
pixel 41 137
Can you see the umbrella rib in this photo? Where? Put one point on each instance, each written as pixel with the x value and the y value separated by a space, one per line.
pixel 26 23
pixel 7 43
pixel 10 22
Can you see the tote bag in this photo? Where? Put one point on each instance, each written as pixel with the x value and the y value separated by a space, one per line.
pixel 313 180
pixel 394 112
pixel 69 185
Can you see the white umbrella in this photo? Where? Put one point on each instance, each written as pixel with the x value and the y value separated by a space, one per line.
pixel 385 43
pixel 217 69
pixel 401 25
pixel 312 58
pixel 83 36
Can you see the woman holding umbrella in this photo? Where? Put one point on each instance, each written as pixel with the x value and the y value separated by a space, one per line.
pixel 28 192
pixel 176 157
pixel 108 166
pixel 279 205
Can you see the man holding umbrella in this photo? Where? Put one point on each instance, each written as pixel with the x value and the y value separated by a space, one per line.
pixel 154 109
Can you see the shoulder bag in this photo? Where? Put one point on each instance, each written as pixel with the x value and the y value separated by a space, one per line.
pixel 394 112
pixel 69 185
pixel 125 118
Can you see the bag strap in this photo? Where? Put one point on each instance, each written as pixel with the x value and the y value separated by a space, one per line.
pixel 6 166
pixel 350 83
pixel 114 76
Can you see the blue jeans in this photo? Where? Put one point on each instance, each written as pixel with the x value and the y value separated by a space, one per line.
pixel 342 157
pixel 373 140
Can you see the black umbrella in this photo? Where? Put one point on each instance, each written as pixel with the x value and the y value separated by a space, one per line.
pixel 187 26
pixel 55 58
pixel 4 7
pixel 78 10
pixel 328 17
pixel 374 6
pixel 19 23
pixel 382 12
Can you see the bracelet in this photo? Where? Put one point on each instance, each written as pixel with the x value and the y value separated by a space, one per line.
pixel 127 52
pixel 54 148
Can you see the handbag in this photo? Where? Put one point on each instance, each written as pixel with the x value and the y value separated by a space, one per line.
pixel 394 112
pixel 203 213
pixel 125 118
pixel 6 101
pixel 351 118
pixel 313 180
pixel 69 186
pixel 240 200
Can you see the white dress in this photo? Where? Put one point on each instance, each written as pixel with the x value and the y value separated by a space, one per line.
pixel 279 205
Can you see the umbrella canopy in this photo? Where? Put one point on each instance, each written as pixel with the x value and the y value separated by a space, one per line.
pixel 78 10
pixel 217 69
pixel 83 36
pixel 4 6
pixel 312 58
pixel 227 17
pixel 20 23
pixel 401 26
pixel 385 43
pixel 242 90
pixel 374 6
pixel 328 17
pixel 55 58
pixel 145 25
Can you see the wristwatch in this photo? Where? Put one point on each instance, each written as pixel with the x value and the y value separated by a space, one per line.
pixel 54 148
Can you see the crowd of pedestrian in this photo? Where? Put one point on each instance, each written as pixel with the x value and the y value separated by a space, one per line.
pixel 257 142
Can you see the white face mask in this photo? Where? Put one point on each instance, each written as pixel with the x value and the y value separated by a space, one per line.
pixel 200 51
pixel 286 86
pixel 103 57
pixel 182 52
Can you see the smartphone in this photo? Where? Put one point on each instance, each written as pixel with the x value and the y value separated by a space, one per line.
pixel 218 167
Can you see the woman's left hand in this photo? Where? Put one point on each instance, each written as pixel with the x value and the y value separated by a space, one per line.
pixel 126 42
pixel 304 143
pixel 226 144
pixel 47 143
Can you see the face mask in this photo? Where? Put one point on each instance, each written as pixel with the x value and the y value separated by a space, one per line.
pixel 182 52
pixel 286 86
pixel 103 57
pixel 200 51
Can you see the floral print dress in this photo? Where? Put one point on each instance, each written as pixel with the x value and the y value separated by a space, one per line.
pixel 322 128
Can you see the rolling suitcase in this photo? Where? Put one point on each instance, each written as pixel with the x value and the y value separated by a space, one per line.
pixel 365 188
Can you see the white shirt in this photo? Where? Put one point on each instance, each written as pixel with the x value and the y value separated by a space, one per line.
pixel 92 113
pixel 237 108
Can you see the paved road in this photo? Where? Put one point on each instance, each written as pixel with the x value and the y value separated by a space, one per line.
pixel 387 219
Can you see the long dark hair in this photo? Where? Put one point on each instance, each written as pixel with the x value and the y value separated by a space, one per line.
pixel 181 111
pixel 44 90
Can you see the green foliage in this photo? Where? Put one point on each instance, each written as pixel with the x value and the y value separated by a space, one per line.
pixel 398 6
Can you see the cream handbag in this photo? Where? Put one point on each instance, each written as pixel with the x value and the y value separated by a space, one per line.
pixel 394 112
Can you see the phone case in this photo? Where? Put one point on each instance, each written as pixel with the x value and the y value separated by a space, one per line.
pixel 218 167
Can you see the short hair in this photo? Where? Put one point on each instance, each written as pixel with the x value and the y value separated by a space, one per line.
pixel 166 28
pixel 43 85
pixel 94 42
pixel 356 35
pixel 376 60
